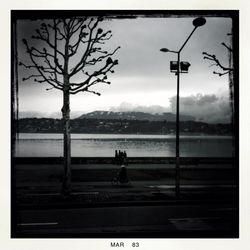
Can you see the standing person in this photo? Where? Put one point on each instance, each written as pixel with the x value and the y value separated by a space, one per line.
pixel 125 157
pixel 116 157
pixel 120 157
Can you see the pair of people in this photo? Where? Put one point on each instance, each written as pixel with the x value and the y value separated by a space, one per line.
pixel 120 157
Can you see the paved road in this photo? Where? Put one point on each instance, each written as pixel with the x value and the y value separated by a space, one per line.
pixel 212 220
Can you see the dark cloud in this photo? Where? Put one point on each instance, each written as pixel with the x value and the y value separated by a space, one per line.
pixel 207 108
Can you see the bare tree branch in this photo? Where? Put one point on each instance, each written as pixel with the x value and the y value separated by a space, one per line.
pixel 90 81
pixel 227 47
pixel 221 74
pixel 81 63
pixel 80 31
pixel 40 36
pixel 213 58
pixel 29 77
pixel 39 68
pixel 217 62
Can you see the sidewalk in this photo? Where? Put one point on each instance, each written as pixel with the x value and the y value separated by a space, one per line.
pixel 40 185
pixel 104 194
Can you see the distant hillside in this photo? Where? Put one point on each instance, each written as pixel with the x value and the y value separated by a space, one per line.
pixel 141 116
pixel 112 126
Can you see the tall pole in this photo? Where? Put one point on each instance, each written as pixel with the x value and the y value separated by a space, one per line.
pixel 177 168
pixel 200 21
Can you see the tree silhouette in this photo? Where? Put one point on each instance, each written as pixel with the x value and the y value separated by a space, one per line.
pixel 224 70
pixel 68 55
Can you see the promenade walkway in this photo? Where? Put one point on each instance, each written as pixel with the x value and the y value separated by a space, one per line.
pixel 92 183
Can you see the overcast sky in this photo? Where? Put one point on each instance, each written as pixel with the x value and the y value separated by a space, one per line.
pixel 142 78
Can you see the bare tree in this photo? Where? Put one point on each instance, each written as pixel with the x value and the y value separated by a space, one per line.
pixel 71 59
pixel 216 61
pixel 224 70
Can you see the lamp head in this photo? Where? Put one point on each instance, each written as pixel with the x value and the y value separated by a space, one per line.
pixel 200 21
pixel 164 50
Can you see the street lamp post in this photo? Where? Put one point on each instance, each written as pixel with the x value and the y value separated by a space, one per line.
pixel 200 21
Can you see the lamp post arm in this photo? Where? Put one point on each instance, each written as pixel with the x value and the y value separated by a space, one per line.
pixel 187 39
pixel 172 51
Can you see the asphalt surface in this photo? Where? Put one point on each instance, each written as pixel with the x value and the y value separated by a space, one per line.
pixel 146 207
pixel 158 220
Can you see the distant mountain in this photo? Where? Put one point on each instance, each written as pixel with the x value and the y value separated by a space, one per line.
pixel 54 115
pixel 109 115
pixel 116 126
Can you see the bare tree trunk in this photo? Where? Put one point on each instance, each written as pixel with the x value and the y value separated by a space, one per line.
pixel 231 91
pixel 66 142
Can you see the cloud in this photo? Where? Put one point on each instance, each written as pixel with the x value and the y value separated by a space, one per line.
pixel 126 107
pixel 207 108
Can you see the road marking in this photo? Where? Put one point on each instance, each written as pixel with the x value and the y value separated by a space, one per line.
pixel 50 194
pixel 193 186
pixel 192 223
pixel 224 209
pixel 53 194
pixel 194 218
pixel 38 224
pixel 85 192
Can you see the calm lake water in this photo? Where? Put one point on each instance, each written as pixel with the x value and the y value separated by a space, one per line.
pixel 99 145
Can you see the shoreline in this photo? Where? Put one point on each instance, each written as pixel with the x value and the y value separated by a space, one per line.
pixel 130 160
